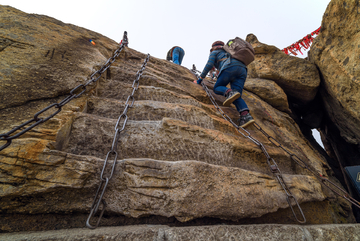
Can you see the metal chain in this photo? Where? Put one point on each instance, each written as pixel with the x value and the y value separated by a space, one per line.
pixel 326 182
pixel 270 161
pixel 273 167
pixel 104 180
pixel 197 72
pixel 74 93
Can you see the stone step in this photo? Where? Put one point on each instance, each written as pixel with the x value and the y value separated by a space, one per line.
pixel 155 73
pixel 204 116
pixel 170 140
pixel 269 232
pixel 150 89
pixel 145 187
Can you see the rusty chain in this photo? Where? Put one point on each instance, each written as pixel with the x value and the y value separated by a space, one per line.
pixel 290 198
pixel 74 93
pixel 118 129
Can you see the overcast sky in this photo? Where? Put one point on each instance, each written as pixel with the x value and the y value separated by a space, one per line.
pixel 154 26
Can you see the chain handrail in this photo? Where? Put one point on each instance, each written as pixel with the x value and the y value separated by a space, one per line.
pixel 98 200
pixel 74 93
pixel 326 182
pixel 270 161
pixel 197 72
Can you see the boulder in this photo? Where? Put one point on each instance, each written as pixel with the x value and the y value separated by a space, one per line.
pixel 297 77
pixel 268 91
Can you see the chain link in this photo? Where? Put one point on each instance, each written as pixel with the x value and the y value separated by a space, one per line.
pixel 74 93
pixel 326 182
pixel 273 167
pixel 270 161
pixel 98 200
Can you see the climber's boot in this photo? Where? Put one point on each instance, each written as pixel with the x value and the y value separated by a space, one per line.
pixel 245 120
pixel 231 95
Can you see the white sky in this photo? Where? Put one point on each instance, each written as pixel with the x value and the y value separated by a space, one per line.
pixel 154 26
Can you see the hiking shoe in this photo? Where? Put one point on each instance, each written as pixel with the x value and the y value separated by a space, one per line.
pixel 246 120
pixel 231 96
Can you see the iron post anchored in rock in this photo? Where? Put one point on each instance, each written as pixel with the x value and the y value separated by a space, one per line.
pixel 125 40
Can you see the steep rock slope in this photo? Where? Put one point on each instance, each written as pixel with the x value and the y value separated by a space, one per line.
pixel 336 53
pixel 178 162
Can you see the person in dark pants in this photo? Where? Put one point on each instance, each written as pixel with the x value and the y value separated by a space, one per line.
pixel 176 54
pixel 231 71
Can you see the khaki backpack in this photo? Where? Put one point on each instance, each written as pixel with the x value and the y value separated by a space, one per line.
pixel 241 50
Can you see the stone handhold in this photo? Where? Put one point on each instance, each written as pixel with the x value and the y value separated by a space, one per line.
pixel 297 77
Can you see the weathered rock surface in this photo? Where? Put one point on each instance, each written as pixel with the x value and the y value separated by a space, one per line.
pixel 336 52
pixel 297 77
pixel 271 232
pixel 179 162
pixel 190 189
pixel 51 56
pixel 270 92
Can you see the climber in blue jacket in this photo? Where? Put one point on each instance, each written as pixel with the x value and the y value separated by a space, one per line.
pixel 176 54
pixel 231 71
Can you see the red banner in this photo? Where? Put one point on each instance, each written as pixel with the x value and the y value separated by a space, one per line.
pixel 303 43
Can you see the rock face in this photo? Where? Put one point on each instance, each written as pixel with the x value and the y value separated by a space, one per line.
pixel 297 77
pixel 51 56
pixel 336 53
pixel 268 91
pixel 178 161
